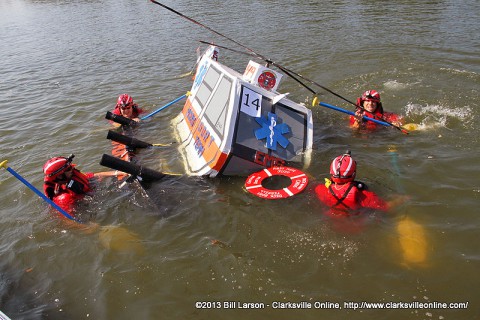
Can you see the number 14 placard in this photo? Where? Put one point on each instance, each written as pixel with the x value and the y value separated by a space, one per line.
pixel 251 103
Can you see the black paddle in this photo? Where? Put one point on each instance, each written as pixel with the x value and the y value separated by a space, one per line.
pixel 120 119
pixel 145 174
pixel 132 142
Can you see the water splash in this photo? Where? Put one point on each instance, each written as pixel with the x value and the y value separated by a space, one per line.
pixel 435 116
pixel 395 85
pixel 468 73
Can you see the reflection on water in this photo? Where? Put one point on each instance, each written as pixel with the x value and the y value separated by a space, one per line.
pixel 206 239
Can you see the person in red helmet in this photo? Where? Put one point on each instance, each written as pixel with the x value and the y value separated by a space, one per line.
pixel 344 195
pixel 370 105
pixel 64 184
pixel 127 108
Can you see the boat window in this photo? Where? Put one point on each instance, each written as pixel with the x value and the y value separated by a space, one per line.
pixel 216 110
pixel 211 77
pixel 202 95
pixel 207 85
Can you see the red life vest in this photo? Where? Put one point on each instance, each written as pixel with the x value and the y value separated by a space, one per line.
pixel 350 197
pixel 79 183
pixel 66 194
pixel 343 197
pixel 346 196
pixel 67 201
pixel 377 115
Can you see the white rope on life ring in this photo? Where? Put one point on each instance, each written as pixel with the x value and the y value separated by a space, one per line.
pixel 299 181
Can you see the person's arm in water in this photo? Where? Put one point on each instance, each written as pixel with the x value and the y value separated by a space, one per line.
pixel 106 174
pixel 370 199
pixel 357 119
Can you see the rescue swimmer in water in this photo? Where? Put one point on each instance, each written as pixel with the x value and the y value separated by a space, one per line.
pixel 65 185
pixel 126 108
pixel 344 195
pixel 370 105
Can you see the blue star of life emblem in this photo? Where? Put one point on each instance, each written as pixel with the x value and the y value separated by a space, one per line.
pixel 272 131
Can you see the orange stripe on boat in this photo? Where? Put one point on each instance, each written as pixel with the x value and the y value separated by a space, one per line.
pixel 202 135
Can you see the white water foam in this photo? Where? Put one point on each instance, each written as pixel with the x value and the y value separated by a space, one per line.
pixel 395 85
pixel 434 116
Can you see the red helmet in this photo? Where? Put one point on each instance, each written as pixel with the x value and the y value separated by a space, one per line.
pixel 371 95
pixel 343 168
pixel 124 100
pixel 56 166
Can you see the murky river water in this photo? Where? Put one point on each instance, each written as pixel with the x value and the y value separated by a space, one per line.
pixel 207 240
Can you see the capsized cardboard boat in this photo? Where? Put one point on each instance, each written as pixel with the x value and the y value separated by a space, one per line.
pixel 237 124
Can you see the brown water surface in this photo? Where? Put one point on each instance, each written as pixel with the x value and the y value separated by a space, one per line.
pixel 207 240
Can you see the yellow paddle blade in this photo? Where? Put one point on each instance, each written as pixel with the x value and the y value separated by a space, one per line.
pixel 392 148
pixel 413 242
pixel 185 75
pixel 315 101
pixel 120 239
pixel 3 164
pixel 161 144
pixel 411 126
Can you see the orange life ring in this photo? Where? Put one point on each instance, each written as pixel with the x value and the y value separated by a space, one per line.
pixel 299 181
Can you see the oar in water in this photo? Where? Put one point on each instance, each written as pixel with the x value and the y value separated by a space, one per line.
pixel 3 164
pixel 124 121
pixel 111 236
pixel 129 122
pixel 413 242
pixel 411 126
pixel 132 142
pixel 404 128
pixel 411 235
pixel 289 72
pixel 121 240
pixel 382 122
pixel 165 106
pixel 145 174
pixel 192 69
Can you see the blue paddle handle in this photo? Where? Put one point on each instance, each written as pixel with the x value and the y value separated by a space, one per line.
pixel 165 106
pixel 38 192
pixel 323 104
